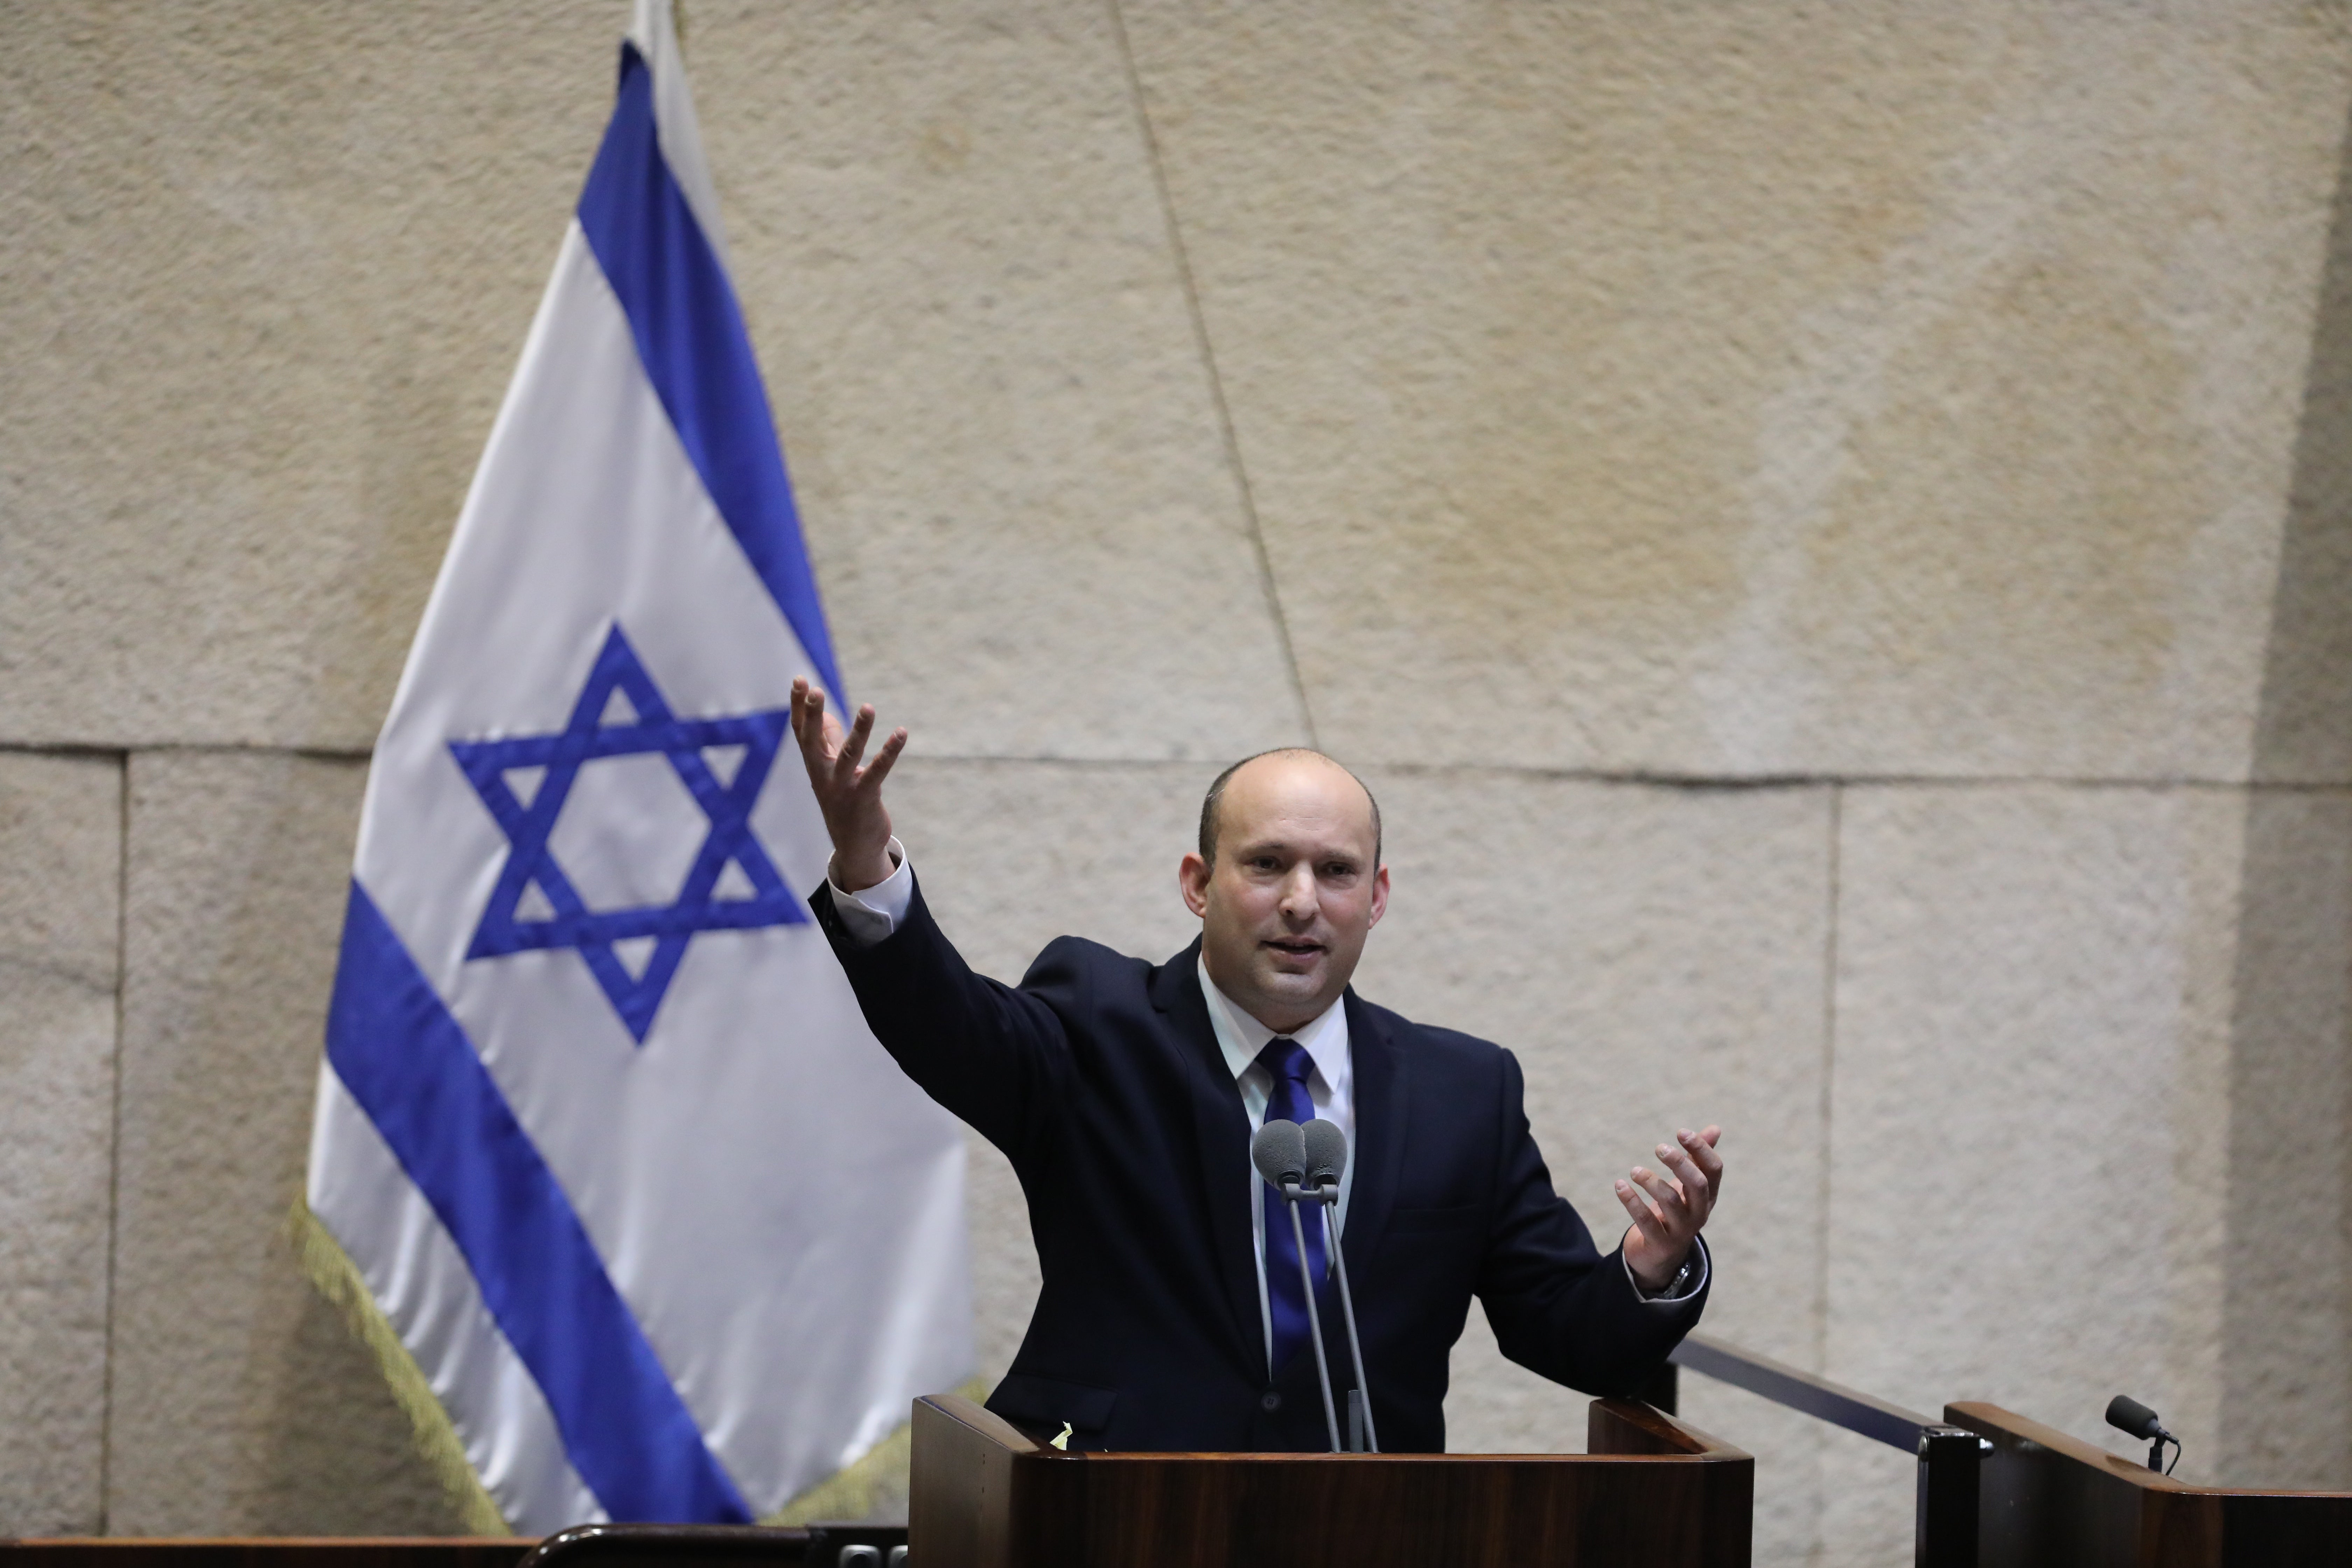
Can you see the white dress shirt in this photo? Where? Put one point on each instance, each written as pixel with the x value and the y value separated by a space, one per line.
pixel 872 914
pixel 1330 1086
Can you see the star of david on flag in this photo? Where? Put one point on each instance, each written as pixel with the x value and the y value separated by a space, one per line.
pixel 643 725
pixel 585 1156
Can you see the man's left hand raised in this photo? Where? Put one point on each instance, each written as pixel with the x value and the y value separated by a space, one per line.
pixel 1669 1212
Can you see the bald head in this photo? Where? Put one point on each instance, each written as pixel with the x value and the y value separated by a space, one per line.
pixel 1212 803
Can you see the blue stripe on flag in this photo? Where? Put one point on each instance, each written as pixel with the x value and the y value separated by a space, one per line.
pixel 690 335
pixel 410 1066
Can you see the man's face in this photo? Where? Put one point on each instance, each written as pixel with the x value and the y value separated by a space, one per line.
pixel 1294 892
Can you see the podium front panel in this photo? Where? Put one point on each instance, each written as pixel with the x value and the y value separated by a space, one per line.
pixel 1653 1492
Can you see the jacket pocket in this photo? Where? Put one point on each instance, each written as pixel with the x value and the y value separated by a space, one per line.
pixel 1049 1402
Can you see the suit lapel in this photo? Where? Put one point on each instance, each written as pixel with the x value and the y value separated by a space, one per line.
pixel 1221 1135
pixel 1382 1093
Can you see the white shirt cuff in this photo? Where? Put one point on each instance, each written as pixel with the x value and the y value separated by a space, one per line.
pixel 871 915
pixel 1682 1286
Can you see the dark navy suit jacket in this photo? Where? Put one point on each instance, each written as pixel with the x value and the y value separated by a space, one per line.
pixel 1100 1079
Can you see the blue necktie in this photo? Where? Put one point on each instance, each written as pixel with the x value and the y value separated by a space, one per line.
pixel 1285 1299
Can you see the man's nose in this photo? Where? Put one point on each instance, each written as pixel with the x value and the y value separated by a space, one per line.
pixel 1299 900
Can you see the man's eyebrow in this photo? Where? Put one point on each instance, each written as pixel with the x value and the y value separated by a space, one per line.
pixel 1284 846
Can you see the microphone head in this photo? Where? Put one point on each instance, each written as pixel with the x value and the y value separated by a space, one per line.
pixel 1279 1153
pixel 2129 1414
pixel 1326 1151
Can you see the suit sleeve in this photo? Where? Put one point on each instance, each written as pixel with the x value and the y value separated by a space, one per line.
pixel 994 1055
pixel 1557 1305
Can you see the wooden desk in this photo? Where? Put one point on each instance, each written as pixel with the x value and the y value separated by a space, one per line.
pixel 2049 1501
pixel 1652 1491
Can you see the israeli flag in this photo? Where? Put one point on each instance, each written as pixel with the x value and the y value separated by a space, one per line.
pixel 637 1202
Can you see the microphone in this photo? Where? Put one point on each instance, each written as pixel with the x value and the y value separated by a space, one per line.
pixel 1327 1157
pixel 2130 1416
pixel 1279 1153
pixel 1326 1151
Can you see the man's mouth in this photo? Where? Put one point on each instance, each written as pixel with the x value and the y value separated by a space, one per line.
pixel 1294 947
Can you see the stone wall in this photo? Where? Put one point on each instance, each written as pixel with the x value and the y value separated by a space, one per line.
pixel 1830 529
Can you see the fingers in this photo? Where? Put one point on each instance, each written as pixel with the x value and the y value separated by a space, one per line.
pixel 1674 1211
pixel 832 756
pixel 1667 1213
pixel 879 768
pixel 1646 1219
pixel 809 719
pixel 844 761
pixel 1701 1149
pixel 808 728
pixel 1697 1185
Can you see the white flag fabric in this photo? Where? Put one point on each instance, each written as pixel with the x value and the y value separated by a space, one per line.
pixel 666 1232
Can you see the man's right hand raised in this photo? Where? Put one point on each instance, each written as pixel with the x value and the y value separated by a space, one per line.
pixel 849 795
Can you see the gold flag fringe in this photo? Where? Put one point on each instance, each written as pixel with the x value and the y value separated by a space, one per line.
pixel 337 1278
pixel 852 1492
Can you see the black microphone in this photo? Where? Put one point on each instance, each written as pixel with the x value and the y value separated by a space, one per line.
pixel 1279 1153
pixel 2130 1416
pixel 1327 1157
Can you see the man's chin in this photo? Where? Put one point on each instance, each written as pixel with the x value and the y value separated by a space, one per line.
pixel 1280 972
pixel 1295 986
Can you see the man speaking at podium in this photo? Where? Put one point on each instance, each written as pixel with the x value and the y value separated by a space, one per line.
pixel 1172 1315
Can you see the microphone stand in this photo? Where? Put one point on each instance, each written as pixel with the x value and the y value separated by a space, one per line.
pixel 1348 1313
pixel 1293 1193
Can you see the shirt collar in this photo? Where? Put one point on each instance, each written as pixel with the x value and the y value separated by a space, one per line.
pixel 1240 1036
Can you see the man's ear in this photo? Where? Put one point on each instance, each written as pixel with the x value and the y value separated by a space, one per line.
pixel 1380 896
pixel 1192 881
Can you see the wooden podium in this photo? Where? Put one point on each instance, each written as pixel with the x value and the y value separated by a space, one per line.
pixel 1652 1491
pixel 2049 1501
